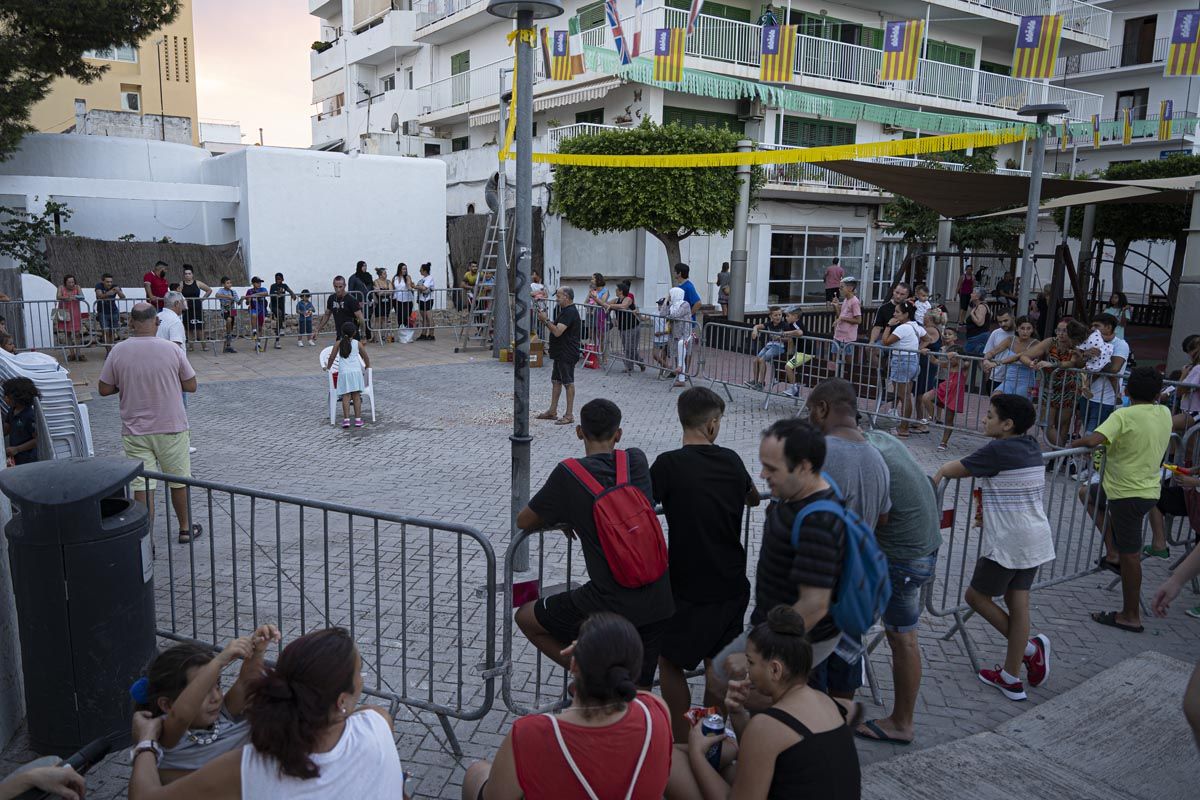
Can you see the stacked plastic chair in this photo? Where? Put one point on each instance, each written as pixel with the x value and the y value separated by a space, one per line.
pixel 63 427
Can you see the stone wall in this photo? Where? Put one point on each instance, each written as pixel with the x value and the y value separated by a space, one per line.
pixel 130 125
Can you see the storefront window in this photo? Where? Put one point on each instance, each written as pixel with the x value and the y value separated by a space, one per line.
pixel 799 259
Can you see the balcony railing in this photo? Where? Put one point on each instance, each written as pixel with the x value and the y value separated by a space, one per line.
pixel 430 11
pixel 1112 58
pixel 1078 16
pixel 461 89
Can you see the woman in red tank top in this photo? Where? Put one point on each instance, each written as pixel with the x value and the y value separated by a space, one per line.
pixel 611 742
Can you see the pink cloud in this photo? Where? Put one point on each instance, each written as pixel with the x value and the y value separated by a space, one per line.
pixel 252 66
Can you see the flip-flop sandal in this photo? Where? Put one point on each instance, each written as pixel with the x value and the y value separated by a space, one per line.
pixel 186 537
pixel 1104 563
pixel 878 734
pixel 1109 618
pixel 565 421
pixel 547 415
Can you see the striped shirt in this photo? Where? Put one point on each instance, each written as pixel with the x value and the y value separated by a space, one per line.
pixel 1016 533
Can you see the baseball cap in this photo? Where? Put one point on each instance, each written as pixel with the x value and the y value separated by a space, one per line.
pixel 256 279
pixel 849 279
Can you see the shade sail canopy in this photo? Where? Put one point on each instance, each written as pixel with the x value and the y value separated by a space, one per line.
pixel 1152 190
pixel 957 194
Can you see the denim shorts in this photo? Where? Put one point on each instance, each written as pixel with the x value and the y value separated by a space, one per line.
pixel 1094 413
pixel 772 350
pixel 903 611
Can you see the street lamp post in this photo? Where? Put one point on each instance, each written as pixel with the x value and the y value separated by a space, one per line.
pixel 525 12
pixel 1042 113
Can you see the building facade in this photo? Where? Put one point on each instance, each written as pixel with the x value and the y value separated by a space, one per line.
pixel 155 79
pixel 423 79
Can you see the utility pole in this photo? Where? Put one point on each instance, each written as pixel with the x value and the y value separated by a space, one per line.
pixel 1042 113
pixel 737 258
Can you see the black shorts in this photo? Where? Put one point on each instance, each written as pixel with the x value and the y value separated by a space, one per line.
pixel 1171 502
pixel 563 372
pixel 993 580
pixel 425 305
pixel 561 618
pixel 701 630
pixel 1125 517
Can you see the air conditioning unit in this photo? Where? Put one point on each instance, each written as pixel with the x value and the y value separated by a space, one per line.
pixel 750 109
pixel 131 101
pixel 410 128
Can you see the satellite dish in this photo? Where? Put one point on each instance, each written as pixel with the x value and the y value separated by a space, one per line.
pixel 395 123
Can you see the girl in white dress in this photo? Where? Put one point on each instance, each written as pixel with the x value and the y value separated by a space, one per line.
pixel 351 360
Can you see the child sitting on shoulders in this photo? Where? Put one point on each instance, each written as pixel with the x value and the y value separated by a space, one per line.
pixel 183 685
pixel 1098 354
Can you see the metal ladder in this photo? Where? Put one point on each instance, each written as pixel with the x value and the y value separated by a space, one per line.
pixel 478 328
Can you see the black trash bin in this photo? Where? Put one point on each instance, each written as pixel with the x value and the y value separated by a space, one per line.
pixel 83 580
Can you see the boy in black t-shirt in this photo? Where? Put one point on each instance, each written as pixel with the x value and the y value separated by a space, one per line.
pixel 552 623
pixel 20 423
pixel 703 489
pixel 564 333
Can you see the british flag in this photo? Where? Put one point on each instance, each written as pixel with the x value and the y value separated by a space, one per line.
pixel 614 23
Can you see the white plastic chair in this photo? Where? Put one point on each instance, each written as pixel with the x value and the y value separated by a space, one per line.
pixel 368 393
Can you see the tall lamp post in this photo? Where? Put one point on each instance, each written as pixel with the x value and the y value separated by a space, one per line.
pixel 1042 113
pixel 524 12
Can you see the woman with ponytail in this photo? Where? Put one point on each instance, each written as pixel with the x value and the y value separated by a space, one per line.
pixel 611 742
pixel 799 747
pixel 307 740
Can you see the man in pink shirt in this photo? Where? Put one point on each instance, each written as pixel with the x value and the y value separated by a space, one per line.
pixel 150 375
pixel 833 279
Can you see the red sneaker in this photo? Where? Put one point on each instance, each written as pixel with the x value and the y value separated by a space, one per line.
pixel 1013 691
pixel 1037 666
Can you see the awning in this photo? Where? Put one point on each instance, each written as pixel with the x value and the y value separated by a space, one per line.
pixel 1157 190
pixel 332 144
pixel 957 194
pixel 593 91
pixel 328 86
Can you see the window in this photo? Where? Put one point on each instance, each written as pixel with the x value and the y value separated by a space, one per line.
pixel 593 116
pixel 388 83
pixel 693 117
pixel 947 53
pixel 831 28
pixel 408 77
pixel 131 98
pixel 1135 99
pixel 798 132
pixel 117 53
pixel 459 143
pixel 591 16
pixel 873 38
pixel 460 62
pixel 799 259
pixel 1137 45
pixel 994 68
pixel 889 258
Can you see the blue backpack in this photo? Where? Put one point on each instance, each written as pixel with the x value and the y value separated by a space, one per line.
pixel 864 588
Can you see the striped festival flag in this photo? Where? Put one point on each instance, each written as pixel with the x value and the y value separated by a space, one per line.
pixel 1096 131
pixel 778 61
pixel 1037 46
pixel 1183 55
pixel 618 34
pixel 693 12
pixel 902 50
pixel 638 29
pixel 1065 138
pixel 1166 111
pixel 1126 126
pixel 544 36
pixel 668 54
pixel 577 66
pixel 560 57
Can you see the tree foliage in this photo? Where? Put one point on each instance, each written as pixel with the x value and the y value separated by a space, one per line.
pixel 918 223
pixel 23 235
pixel 1136 222
pixel 670 204
pixel 41 40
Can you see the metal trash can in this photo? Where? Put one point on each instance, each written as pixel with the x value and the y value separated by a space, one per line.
pixel 83 582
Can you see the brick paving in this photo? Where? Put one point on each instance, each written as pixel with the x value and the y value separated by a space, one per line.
pixel 439 451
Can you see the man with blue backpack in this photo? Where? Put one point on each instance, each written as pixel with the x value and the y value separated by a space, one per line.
pixel 816 556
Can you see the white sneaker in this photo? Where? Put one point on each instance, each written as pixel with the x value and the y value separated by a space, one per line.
pixel 300 342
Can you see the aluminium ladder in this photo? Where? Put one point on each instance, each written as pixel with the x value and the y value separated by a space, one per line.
pixel 478 329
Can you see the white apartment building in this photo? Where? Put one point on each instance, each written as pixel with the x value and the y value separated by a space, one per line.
pixel 422 77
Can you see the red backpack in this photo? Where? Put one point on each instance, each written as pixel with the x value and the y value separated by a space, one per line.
pixel 628 528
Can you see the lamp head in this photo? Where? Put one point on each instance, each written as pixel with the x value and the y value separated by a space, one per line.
pixel 1049 109
pixel 540 9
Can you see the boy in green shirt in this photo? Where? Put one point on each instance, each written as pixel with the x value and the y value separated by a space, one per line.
pixel 1136 437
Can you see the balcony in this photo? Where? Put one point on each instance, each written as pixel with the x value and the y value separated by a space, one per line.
pixel 468 91
pixel 328 126
pixel 1119 57
pixel 1085 25
pixel 385 41
pixel 442 21
pixel 327 61
pixel 733 48
pixel 325 9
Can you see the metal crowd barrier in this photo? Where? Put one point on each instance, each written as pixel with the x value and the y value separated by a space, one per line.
pixel 427 639
pixel 388 318
pixel 49 325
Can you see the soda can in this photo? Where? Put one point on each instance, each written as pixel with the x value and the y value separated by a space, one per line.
pixel 712 725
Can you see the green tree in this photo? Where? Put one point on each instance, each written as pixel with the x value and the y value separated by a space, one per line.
pixel 41 40
pixel 670 204
pixel 23 235
pixel 1126 223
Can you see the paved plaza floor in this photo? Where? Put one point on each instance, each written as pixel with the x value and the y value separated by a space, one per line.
pixel 440 450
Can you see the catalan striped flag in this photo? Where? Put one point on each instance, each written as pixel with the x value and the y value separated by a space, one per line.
pixel 902 49
pixel 1037 46
pixel 613 14
pixel 668 54
pixel 577 65
pixel 1065 137
pixel 560 57
pixel 1126 126
pixel 693 12
pixel 1096 130
pixel 1166 112
pixel 1183 54
pixel 778 62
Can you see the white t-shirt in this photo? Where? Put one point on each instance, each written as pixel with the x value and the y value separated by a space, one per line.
pixel 363 765
pixel 910 334
pixel 170 327
pixel 426 280
pixel 1102 388
pixel 994 339
pixel 922 307
pixel 402 294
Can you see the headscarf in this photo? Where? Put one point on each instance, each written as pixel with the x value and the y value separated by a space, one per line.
pixel 676 303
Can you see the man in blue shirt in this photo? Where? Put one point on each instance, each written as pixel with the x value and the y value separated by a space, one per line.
pixel 689 290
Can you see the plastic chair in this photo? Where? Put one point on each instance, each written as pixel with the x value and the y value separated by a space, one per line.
pixel 368 393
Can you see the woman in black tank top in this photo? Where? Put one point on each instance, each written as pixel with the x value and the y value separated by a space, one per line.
pixel 194 292
pixel 799 747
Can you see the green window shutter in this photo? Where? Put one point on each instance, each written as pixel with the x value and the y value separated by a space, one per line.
pixel 460 62
pixel 799 132
pixel 994 68
pixel 591 16
pixel 684 4
pixel 946 53
pixel 692 117
pixel 593 116
pixel 722 11
pixel 872 37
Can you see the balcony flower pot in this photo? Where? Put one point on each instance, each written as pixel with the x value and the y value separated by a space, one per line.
pixel 321 47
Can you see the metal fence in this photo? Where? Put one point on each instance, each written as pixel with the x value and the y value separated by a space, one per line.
pixel 418 596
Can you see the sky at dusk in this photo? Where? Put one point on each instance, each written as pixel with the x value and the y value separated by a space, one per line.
pixel 252 66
